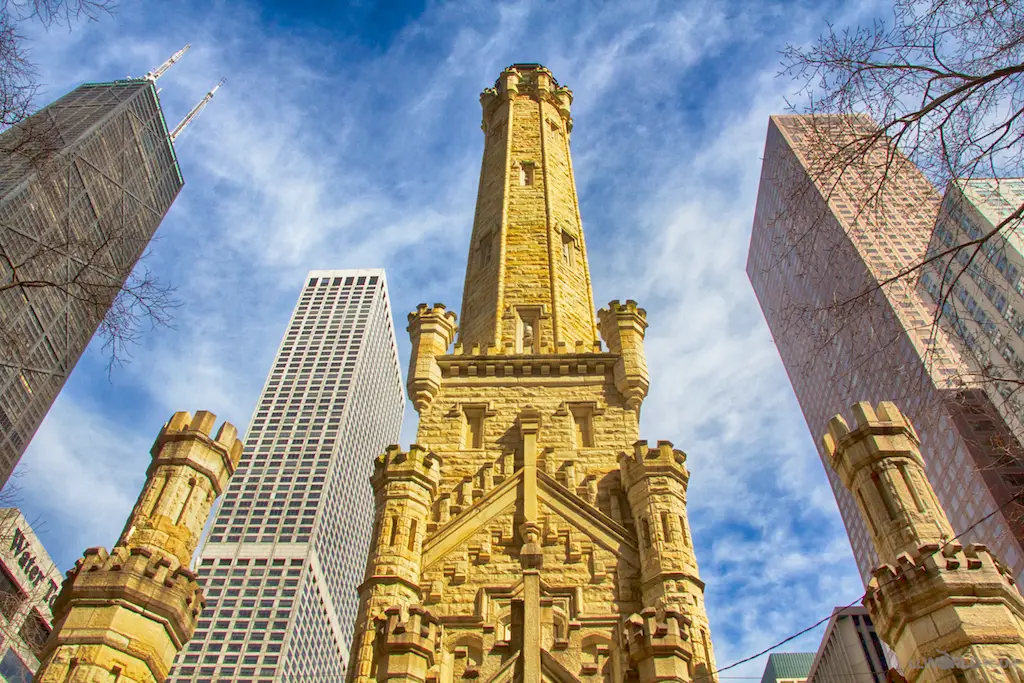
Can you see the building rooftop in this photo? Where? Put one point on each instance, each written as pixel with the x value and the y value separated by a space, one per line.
pixel 786 666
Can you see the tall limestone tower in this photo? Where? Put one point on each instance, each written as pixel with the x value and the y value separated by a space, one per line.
pixel 950 612
pixel 122 616
pixel 529 536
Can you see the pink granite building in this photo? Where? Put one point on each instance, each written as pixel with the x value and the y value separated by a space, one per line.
pixel 823 245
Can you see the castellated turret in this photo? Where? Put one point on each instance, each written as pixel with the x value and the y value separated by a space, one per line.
pixel 405 487
pixel 950 612
pixel 622 328
pixel 431 331
pixel 123 615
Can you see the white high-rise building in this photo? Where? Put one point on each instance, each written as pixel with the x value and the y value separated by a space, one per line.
pixel 288 545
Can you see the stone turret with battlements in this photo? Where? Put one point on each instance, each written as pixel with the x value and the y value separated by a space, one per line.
pixel 123 615
pixel 622 328
pixel 431 331
pixel 405 485
pixel 655 482
pixel 950 612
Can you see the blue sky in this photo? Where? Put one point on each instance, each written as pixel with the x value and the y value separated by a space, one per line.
pixel 349 137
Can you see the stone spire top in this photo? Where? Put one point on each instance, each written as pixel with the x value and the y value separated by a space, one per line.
pixel 527 278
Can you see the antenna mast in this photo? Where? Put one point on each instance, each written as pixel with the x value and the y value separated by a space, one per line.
pixel 192 115
pixel 160 70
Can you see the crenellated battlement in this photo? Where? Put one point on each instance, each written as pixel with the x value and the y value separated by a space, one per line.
pixel 630 308
pixel 155 583
pixel 960 566
pixel 417 462
pixel 531 80
pixel 183 425
pixel 658 642
pixel 410 638
pixel 885 431
pixel 664 460
pixel 425 313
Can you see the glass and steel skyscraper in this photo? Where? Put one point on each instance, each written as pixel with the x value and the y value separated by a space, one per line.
pixel 84 184
pixel 818 240
pixel 288 545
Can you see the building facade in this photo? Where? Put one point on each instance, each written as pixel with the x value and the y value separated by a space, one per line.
pixel 818 242
pixel 949 610
pixel 84 184
pixel 787 667
pixel 980 290
pixel 288 545
pixel 850 650
pixel 529 535
pixel 29 583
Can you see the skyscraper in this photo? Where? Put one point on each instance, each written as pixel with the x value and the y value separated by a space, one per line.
pixel 287 548
pixel 529 521
pixel 850 650
pixel 820 241
pixel 84 184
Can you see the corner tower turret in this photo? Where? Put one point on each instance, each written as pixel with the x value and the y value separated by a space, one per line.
pixel 123 615
pixel 950 612
pixel 527 277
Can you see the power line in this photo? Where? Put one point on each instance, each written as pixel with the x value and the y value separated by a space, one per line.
pixel 861 598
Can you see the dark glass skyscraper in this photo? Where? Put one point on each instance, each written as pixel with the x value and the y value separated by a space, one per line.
pixel 84 184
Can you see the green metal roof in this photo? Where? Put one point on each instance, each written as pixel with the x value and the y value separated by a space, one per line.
pixel 786 665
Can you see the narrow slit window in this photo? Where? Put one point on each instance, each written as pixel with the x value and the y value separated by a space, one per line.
pixel 867 512
pixel 910 487
pixel 583 427
pixel 666 527
pixel 526 173
pixel 473 428
pixel 394 532
pixel 647 533
pixel 568 250
pixel 412 535
pixel 883 493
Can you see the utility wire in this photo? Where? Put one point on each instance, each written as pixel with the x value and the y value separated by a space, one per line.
pixel 856 601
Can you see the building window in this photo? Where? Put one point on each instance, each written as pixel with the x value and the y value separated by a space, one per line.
pixel 527 331
pixel 11 596
pixel 34 632
pixel 568 250
pixel 13 670
pixel 526 172
pixel 484 249
pixel 473 428
pixel 583 426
